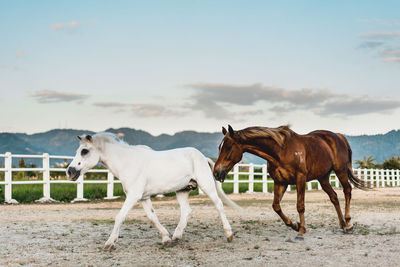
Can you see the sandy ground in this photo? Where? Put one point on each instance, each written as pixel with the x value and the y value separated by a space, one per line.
pixel 74 234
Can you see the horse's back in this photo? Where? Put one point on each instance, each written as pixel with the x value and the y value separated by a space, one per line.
pixel 335 142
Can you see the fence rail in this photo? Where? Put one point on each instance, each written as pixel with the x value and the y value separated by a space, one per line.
pixel 244 177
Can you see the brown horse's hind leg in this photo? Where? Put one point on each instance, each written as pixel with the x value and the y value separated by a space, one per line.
pixel 326 186
pixel 279 191
pixel 344 180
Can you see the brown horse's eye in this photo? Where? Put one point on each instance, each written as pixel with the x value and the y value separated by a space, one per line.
pixel 84 152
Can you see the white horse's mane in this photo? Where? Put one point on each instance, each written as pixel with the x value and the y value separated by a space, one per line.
pixel 100 139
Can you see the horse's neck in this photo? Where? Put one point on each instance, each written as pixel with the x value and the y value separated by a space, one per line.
pixel 114 157
pixel 265 148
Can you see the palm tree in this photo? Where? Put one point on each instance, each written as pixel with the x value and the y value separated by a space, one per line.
pixel 366 162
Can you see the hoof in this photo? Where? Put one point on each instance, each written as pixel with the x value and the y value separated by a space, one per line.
pixel 175 239
pixel 230 238
pixel 299 238
pixel 348 230
pixel 167 242
pixel 170 243
pixel 108 247
pixel 296 226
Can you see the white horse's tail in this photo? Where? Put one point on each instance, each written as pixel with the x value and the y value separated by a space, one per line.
pixel 211 163
pixel 225 199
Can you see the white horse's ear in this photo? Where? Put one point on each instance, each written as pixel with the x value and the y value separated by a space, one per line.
pixel 224 131
pixel 231 131
pixel 79 137
pixel 89 138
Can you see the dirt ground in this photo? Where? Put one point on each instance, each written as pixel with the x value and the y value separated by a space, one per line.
pixel 74 234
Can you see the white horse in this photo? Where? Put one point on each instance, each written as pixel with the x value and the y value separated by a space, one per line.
pixel 144 172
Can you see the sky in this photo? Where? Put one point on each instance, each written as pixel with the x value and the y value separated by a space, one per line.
pixel 169 66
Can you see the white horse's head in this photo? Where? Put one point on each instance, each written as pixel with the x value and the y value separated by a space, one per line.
pixel 87 156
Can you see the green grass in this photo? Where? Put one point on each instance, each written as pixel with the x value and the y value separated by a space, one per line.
pixel 28 193
pixel 67 192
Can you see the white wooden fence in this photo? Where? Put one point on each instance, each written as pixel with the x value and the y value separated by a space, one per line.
pixel 244 177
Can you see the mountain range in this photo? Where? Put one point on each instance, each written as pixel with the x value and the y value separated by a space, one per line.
pixel 64 142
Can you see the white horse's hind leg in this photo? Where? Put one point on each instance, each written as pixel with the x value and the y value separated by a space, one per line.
pixel 183 200
pixel 207 184
pixel 128 204
pixel 151 214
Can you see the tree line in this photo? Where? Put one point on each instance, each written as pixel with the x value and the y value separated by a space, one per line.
pixel 392 163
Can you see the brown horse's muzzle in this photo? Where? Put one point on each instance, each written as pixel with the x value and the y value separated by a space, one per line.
pixel 220 175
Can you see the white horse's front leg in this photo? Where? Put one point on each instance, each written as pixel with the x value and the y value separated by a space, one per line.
pixel 183 200
pixel 151 214
pixel 130 201
pixel 208 186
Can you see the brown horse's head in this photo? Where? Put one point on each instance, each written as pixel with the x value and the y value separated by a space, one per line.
pixel 230 153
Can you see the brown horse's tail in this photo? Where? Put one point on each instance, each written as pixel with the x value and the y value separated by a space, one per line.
pixel 360 184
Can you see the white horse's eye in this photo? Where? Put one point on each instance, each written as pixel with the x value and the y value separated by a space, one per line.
pixel 84 152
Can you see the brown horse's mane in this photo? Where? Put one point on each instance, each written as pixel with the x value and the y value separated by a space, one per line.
pixel 279 135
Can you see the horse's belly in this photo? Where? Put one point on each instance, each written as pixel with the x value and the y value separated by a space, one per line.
pixel 282 176
pixel 166 183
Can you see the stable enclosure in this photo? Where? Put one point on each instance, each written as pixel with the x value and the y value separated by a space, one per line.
pixel 49 177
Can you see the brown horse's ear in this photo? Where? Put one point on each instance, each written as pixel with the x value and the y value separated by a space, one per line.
pixel 89 138
pixel 231 131
pixel 224 131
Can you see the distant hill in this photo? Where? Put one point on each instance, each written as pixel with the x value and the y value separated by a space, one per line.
pixel 64 142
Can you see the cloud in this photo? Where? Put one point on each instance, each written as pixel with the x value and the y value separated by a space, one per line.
pixel 385 44
pixel 383 22
pixel 390 52
pixel 109 104
pixel 152 110
pixel 391 59
pixel 141 110
pixel 51 96
pixel 221 101
pixel 20 53
pixel 9 67
pixel 67 26
pixel 371 44
pixel 359 106
pixel 381 35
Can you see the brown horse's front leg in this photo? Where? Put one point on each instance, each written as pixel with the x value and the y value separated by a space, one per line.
pixel 279 191
pixel 301 189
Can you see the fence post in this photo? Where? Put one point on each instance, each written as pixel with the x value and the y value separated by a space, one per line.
pixel 8 180
pixel 392 181
pixel 251 178
pixel 110 186
pixel 79 190
pixel 46 180
pixel 365 175
pixel 264 178
pixel 398 177
pixel 393 178
pixel 375 178
pixel 309 186
pixel 236 179
pixel 336 181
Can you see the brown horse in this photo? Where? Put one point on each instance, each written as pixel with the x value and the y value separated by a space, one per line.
pixel 294 159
